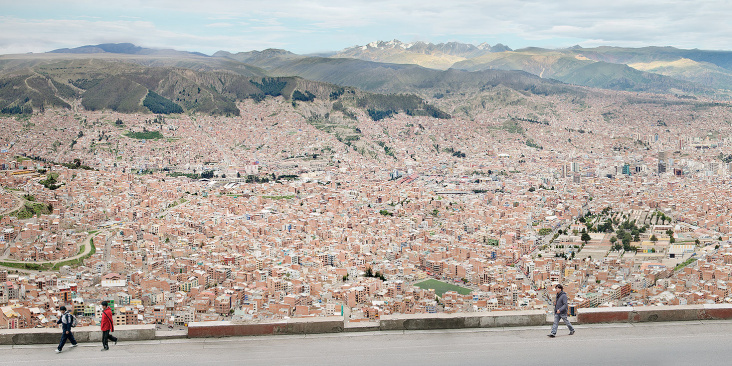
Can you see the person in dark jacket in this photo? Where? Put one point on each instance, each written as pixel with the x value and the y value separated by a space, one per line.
pixel 107 326
pixel 66 320
pixel 560 311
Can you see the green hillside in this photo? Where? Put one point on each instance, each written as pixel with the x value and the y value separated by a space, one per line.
pixel 125 87
pixel 393 78
pixel 27 92
pixel 116 93
pixel 622 77
pixel 544 64
pixel 132 88
pixel 626 56
pixel 597 69
pixel 690 70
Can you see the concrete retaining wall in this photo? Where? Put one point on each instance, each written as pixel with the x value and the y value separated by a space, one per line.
pixel 389 322
pixel 636 314
pixel 81 334
pixel 462 320
pixel 398 322
pixel 291 326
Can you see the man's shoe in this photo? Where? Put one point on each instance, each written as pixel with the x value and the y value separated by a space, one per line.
pixel 572 332
pixel 105 349
pixel 74 345
pixel 550 335
pixel 115 342
pixel 58 350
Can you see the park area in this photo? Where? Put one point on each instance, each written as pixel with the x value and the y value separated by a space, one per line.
pixel 442 287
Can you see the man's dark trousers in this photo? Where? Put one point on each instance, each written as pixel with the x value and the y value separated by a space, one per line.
pixel 107 337
pixel 64 337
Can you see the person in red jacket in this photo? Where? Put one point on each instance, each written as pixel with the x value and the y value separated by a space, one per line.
pixel 107 326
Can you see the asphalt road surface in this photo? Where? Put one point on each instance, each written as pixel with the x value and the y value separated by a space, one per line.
pixel 681 343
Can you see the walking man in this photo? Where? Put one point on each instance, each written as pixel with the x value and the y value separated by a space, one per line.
pixel 560 311
pixel 107 326
pixel 67 321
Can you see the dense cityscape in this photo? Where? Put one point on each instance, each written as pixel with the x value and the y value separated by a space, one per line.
pixel 268 215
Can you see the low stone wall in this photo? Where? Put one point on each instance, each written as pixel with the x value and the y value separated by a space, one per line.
pixel 462 320
pixel 389 322
pixel 399 322
pixel 635 314
pixel 81 334
pixel 332 324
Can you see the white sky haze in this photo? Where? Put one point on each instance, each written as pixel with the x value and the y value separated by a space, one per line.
pixel 326 25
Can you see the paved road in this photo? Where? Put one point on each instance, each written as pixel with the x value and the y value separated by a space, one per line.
pixel 19 202
pixel 85 244
pixel 687 343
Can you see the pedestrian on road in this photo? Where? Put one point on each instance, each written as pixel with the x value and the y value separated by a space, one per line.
pixel 67 321
pixel 560 311
pixel 107 326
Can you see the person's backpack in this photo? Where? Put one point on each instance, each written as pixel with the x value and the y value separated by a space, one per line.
pixel 73 321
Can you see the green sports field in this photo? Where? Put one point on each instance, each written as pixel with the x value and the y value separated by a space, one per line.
pixel 442 287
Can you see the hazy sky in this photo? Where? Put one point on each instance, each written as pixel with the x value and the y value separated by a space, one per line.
pixel 306 26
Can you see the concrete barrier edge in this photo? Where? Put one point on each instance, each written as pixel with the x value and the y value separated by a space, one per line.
pixel 399 322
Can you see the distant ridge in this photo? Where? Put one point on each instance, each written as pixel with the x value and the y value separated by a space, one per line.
pixel 265 57
pixel 122 48
pixel 126 48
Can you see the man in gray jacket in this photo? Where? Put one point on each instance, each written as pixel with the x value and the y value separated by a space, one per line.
pixel 560 311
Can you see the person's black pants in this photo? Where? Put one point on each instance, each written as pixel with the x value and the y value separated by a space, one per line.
pixel 106 337
pixel 64 337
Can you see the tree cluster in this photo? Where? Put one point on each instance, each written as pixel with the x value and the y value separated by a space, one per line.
pixel 270 86
pixel 17 109
pixel 256 179
pixel 455 153
pixel 156 103
pixel 378 115
pixel 372 274
pixel 303 97
pixel 145 135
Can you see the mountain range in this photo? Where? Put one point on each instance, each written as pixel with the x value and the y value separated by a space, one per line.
pixel 438 56
pixel 129 78
pixel 648 69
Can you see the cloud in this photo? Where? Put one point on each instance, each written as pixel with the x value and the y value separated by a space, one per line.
pixel 48 34
pixel 219 25
pixel 298 23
